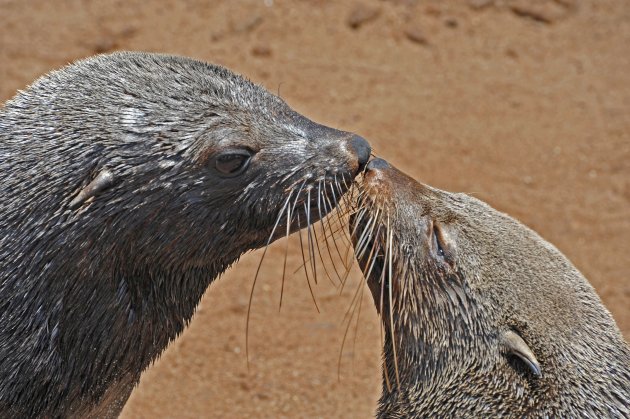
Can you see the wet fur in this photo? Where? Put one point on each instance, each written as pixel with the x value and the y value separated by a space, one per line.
pixel 449 313
pixel 93 287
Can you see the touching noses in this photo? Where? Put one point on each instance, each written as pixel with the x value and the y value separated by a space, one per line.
pixel 377 164
pixel 362 150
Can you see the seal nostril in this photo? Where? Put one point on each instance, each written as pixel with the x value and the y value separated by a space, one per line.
pixel 362 149
pixel 377 164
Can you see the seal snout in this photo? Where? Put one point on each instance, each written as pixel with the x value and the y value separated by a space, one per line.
pixel 377 173
pixel 377 180
pixel 361 148
pixel 377 164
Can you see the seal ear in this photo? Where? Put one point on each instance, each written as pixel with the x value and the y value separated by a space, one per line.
pixel 515 345
pixel 102 181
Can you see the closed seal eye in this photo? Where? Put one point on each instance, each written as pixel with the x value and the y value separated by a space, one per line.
pixel 233 162
pixel 437 245
pixel 441 245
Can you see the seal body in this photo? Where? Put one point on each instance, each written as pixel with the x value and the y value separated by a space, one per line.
pixel 129 182
pixel 481 316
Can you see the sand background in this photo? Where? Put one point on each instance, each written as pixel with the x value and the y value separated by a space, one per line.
pixel 525 104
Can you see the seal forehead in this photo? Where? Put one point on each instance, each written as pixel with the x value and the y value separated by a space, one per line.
pixel 171 80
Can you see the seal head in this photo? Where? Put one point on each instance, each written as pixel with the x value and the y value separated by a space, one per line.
pixel 481 316
pixel 129 182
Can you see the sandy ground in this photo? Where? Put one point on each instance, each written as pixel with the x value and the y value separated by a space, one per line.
pixel 525 104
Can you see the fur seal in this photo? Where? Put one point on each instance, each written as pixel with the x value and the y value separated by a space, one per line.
pixel 129 182
pixel 481 316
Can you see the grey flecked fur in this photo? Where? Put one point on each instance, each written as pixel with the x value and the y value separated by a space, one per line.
pixel 95 281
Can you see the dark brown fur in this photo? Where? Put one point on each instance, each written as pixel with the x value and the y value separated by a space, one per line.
pixel 121 202
pixel 481 316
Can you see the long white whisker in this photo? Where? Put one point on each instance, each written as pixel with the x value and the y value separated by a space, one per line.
pixel 251 294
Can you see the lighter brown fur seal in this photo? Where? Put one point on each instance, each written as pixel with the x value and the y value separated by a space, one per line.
pixel 481 316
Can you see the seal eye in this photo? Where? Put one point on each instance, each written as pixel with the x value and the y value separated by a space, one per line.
pixel 437 245
pixel 233 162
pixel 442 246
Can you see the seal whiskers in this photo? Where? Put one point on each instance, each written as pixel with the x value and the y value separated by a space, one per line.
pixel 349 316
pixel 262 258
pixel 390 285
pixel 310 198
pixel 286 253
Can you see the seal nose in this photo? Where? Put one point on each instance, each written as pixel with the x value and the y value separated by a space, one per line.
pixel 362 149
pixel 377 164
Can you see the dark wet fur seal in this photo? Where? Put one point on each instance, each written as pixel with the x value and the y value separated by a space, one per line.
pixel 129 182
pixel 488 319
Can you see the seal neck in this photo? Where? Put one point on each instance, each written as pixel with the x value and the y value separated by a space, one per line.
pixel 440 328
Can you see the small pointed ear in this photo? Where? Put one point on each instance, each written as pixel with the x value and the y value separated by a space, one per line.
pixel 102 181
pixel 515 345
